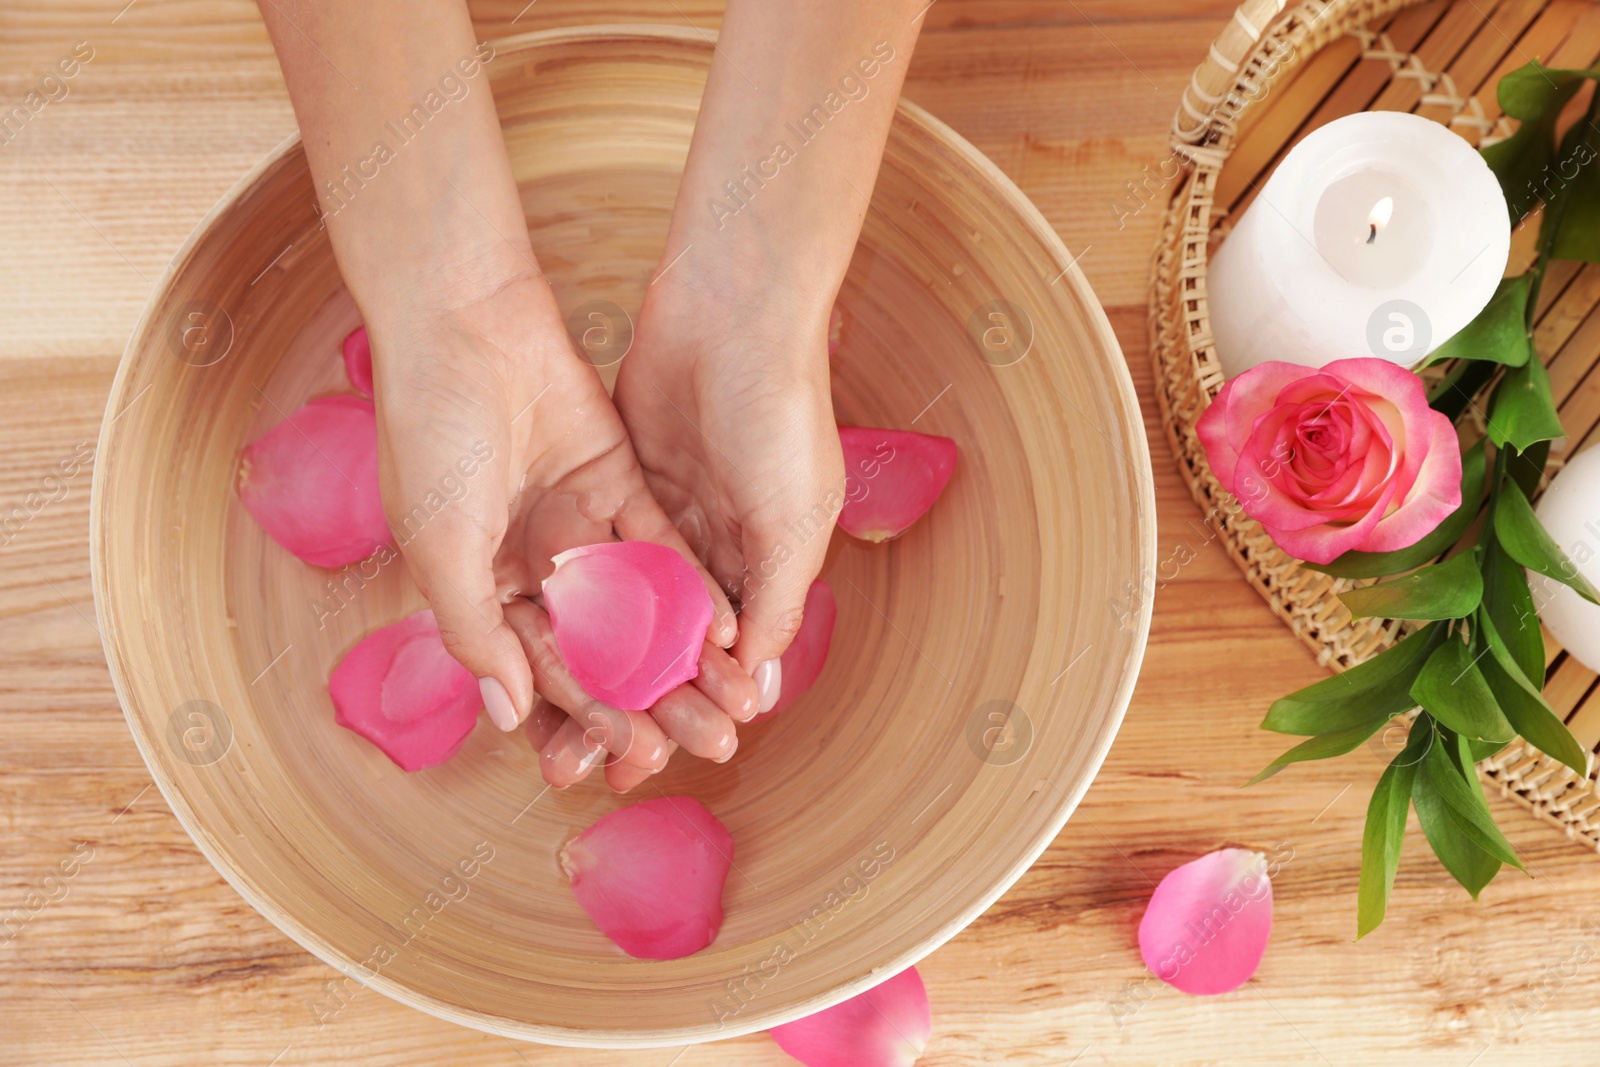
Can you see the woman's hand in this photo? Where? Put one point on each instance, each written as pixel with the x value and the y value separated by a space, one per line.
pixel 498 446
pixel 725 395
pixel 499 449
pixel 725 392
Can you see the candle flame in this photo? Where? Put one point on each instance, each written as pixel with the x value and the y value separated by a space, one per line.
pixel 1382 212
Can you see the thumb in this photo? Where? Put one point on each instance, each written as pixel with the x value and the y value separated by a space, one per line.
pixel 773 598
pixel 452 560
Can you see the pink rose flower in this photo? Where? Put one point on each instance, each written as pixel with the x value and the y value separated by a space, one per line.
pixel 1344 458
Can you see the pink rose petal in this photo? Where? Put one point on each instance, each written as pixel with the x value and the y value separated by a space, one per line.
pixel 312 482
pixel 358 360
pixel 887 1026
pixel 629 618
pixel 892 477
pixel 651 876
pixel 1208 922
pixel 803 660
pixel 402 691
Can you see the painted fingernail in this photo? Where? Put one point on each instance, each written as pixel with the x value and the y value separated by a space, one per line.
pixel 497 702
pixel 769 682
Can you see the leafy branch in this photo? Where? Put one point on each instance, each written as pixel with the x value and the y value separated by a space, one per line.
pixel 1475 672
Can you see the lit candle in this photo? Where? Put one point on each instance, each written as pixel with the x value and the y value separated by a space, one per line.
pixel 1570 512
pixel 1380 234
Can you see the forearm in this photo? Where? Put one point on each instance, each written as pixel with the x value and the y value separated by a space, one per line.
pixel 405 148
pixel 791 132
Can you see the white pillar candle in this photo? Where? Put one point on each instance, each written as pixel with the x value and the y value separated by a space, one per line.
pixel 1570 511
pixel 1380 234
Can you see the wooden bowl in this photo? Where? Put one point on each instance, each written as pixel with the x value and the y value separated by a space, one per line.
pixel 979 670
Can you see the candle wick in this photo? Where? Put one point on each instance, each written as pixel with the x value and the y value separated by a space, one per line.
pixel 1373 236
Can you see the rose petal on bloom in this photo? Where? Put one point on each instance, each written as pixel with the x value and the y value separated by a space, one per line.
pixel 1431 471
pixel 629 618
pixel 1327 542
pixel 402 691
pixel 887 1026
pixel 1434 495
pixel 651 876
pixel 835 329
pixel 1225 426
pixel 803 660
pixel 358 360
pixel 1295 504
pixel 312 482
pixel 1207 923
pixel 892 478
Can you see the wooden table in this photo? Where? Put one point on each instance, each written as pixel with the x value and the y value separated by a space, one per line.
pixel 145 956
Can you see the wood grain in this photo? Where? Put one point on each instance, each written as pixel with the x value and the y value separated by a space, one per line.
pixel 150 958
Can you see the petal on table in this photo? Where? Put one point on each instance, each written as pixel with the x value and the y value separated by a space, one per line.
pixel 1207 923
pixel 887 1026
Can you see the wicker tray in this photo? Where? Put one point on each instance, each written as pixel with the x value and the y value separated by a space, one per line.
pixel 1270 78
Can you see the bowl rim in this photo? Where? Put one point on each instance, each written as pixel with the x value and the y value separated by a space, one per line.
pixel 1125 398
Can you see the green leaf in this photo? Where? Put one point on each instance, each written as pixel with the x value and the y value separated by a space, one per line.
pixel 1448 590
pixel 1509 604
pixel 1525 706
pixel 1527 468
pixel 1467 863
pixel 1579 233
pixel 1434 545
pixel 1499 333
pixel 1482 750
pixel 1522 411
pixel 1386 829
pixel 1535 96
pixel 1460 387
pixel 1380 686
pixel 1323 746
pixel 1530 91
pixel 1452 689
pixel 1524 538
pixel 1466 806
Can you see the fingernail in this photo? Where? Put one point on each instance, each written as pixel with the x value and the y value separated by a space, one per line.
pixel 769 682
pixel 497 702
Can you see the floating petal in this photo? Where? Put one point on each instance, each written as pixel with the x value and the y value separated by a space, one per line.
pixel 312 482
pixel 651 876
pixel 358 360
pixel 808 652
pixel 402 691
pixel 892 477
